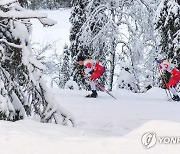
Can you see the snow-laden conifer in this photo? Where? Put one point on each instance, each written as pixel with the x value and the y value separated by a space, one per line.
pixel 23 92
pixel 65 70
pixel 167 22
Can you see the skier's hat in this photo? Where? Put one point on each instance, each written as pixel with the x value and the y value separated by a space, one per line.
pixel 81 58
pixel 159 60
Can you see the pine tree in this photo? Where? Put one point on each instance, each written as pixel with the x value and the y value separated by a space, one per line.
pixel 167 22
pixel 22 89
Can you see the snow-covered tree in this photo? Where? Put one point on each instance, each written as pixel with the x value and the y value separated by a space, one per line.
pixel 77 19
pixel 100 33
pixel 139 46
pixel 45 4
pixel 72 85
pixel 64 3
pixel 22 89
pixel 65 70
pixel 23 3
pixel 56 63
pixel 123 28
pixel 167 22
pixel 53 61
pixel 112 25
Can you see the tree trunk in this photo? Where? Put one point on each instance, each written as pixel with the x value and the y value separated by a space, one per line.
pixel 112 57
pixel 112 67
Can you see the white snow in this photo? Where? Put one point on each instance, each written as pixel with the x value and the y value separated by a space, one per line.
pixel 70 84
pixel 5 2
pixel 58 33
pixel 20 27
pixel 103 125
pixel 23 14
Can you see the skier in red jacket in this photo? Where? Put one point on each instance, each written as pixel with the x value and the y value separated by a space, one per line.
pixel 93 70
pixel 175 77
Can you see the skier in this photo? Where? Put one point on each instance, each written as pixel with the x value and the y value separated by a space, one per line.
pixel 93 70
pixel 174 79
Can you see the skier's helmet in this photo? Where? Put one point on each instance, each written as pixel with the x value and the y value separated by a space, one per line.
pixel 81 58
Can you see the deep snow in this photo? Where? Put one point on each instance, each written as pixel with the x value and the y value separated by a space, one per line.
pixel 118 117
pixel 103 125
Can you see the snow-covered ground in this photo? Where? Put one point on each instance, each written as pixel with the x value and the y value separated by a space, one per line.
pixel 103 125
pixel 110 117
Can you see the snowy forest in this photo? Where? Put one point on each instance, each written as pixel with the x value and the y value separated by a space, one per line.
pixel 107 31
pixel 124 35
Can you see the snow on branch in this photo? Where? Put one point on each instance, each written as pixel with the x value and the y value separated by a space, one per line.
pixel 28 14
pixel 24 92
pixel 22 14
pixel 5 2
pixel 146 5
pixel 47 21
pixel 10 44
pixel 97 10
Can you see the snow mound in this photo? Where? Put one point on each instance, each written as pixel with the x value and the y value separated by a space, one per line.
pixel 28 136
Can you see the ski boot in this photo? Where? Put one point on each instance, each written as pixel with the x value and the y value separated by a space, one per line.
pixel 93 95
pixel 176 98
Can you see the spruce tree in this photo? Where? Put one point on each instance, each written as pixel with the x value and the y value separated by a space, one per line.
pixel 65 66
pixel 77 19
pixel 167 22
pixel 22 89
pixel 23 3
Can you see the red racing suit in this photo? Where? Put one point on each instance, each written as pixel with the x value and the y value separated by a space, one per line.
pixel 175 73
pixel 93 69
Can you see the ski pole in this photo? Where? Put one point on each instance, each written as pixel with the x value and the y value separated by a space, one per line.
pixel 164 83
pixel 101 87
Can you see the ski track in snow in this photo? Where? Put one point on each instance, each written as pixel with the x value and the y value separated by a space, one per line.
pixel 103 125
pixel 110 117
